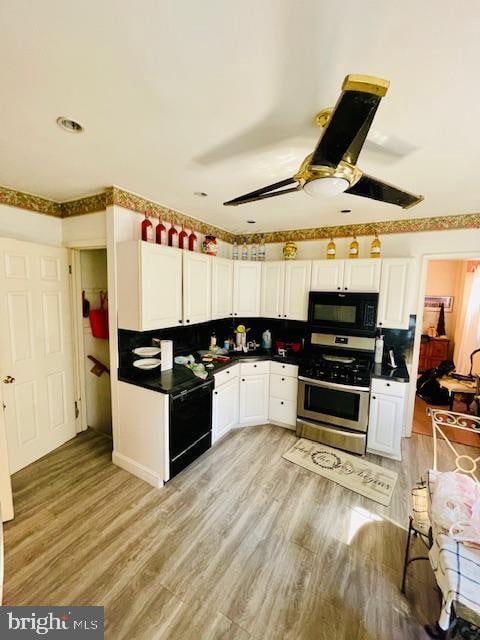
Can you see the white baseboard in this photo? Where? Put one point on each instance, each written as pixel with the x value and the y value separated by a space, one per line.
pixel 137 469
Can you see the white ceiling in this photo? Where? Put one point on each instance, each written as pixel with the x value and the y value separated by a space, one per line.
pixel 218 96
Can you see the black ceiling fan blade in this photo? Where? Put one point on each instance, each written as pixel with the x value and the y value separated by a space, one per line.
pixel 350 121
pixel 369 187
pixel 264 192
pixel 272 194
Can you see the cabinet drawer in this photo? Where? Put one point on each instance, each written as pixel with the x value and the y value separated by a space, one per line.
pixel 389 387
pixel 254 368
pixel 283 387
pixel 284 411
pixel 290 370
pixel 226 374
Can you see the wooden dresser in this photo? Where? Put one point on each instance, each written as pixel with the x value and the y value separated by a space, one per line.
pixel 432 352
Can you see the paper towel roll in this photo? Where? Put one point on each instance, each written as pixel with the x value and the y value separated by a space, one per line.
pixel 167 354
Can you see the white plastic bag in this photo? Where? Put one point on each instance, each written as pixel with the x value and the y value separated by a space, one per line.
pixel 456 507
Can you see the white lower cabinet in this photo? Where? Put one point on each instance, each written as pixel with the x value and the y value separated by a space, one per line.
pixel 282 406
pixel 387 412
pixel 253 398
pixel 225 408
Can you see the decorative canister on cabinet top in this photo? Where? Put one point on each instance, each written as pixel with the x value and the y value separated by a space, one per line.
pixel 290 251
pixel 210 246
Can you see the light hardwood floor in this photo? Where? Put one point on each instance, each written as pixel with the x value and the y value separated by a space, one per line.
pixel 242 545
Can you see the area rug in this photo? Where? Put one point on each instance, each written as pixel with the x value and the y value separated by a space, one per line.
pixel 357 474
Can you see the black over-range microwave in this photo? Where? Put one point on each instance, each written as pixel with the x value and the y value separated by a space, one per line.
pixel 346 313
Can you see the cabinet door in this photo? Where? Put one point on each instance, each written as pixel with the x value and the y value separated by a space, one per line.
pixel 385 425
pixel 297 286
pixel 327 275
pixel 283 411
pixel 160 286
pixel 362 275
pixel 273 287
pixel 246 288
pixel 254 399
pixel 222 288
pixel 394 303
pixel 197 287
pixel 225 409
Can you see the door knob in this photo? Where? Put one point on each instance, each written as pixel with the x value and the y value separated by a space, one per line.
pixel 8 380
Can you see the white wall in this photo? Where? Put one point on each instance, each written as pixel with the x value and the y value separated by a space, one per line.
pixel 85 229
pixel 30 226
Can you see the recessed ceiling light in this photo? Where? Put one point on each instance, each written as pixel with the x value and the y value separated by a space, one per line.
pixel 200 194
pixel 346 211
pixel 70 125
pixel 251 221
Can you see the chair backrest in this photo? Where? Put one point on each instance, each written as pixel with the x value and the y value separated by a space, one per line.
pixel 442 422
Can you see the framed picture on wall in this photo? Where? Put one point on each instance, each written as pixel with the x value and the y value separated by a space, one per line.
pixel 433 303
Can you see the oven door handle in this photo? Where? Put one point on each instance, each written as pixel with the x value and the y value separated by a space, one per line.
pixel 334 385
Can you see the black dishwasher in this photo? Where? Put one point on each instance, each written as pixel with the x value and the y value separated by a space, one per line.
pixel 190 425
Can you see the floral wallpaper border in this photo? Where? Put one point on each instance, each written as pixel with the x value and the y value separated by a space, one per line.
pixel 412 225
pixel 30 202
pixel 133 202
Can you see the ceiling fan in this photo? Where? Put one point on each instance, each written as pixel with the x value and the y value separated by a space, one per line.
pixel 331 169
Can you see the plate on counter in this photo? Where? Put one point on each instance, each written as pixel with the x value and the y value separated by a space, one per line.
pixel 147 363
pixel 147 352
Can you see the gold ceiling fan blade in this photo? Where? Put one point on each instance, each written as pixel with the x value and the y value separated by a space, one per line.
pixel 369 187
pixel 269 191
pixel 350 121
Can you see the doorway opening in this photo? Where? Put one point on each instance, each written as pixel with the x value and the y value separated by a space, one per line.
pixel 450 335
pixel 90 294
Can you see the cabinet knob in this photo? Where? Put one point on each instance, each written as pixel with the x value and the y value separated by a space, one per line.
pixel 180 321
pixel 388 384
pixel 346 288
pixel 283 366
pixel 284 315
pixel 234 314
pixel 281 402
pixel 188 320
pixel 374 397
pixel 283 379
pixel 216 393
pixel 231 314
pixel 255 366
pixel 279 315
pixel 339 288
pixel 380 324
pixel 243 379
pixel 228 372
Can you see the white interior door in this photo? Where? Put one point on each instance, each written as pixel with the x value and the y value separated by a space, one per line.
pixel 36 370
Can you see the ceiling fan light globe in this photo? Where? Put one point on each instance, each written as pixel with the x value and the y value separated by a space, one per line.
pixel 326 187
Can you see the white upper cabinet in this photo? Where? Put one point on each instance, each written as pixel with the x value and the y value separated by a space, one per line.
pixel 396 286
pixel 246 288
pixel 273 288
pixel 149 286
pixel 297 286
pixel 222 288
pixel 197 287
pixel 346 275
pixel 362 275
pixel 327 275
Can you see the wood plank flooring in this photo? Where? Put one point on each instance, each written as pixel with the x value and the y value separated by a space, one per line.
pixel 242 545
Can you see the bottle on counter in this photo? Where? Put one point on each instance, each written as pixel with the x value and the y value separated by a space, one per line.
pixel 235 250
pixel 376 247
pixel 261 249
pixel 160 233
pixel 147 229
pixel 213 341
pixel 331 250
pixel 353 251
pixel 378 358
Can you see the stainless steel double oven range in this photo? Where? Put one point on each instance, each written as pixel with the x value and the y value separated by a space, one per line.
pixel 334 378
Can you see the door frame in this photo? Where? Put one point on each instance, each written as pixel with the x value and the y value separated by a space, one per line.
pixel 79 378
pixel 426 259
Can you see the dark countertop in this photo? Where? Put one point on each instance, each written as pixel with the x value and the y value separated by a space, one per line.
pixel 180 378
pixel 385 372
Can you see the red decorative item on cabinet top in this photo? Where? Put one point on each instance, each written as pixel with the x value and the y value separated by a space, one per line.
pixel 183 239
pixel 160 233
pixel 172 236
pixel 192 241
pixel 147 229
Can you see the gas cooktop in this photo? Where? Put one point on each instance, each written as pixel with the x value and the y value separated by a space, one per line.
pixel 352 370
